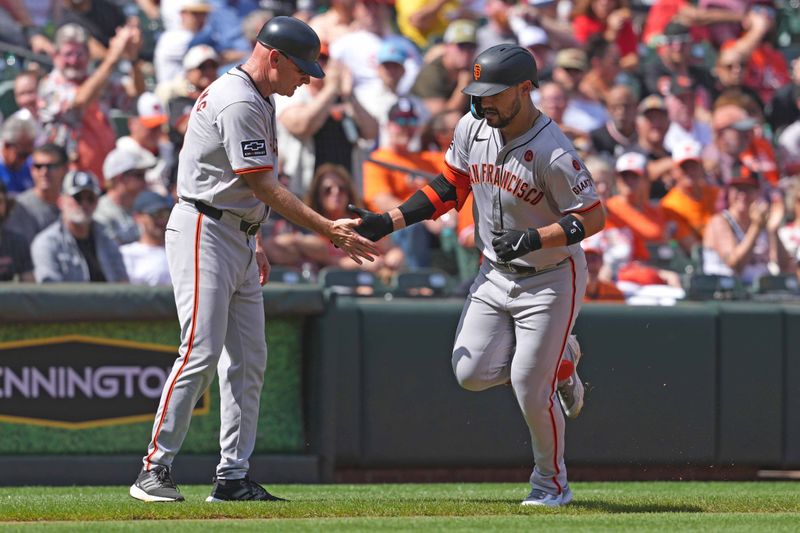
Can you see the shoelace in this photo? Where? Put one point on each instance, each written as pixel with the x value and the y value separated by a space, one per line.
pixel 163 477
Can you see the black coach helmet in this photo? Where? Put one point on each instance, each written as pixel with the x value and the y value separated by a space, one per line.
pixel 500 67
pixel 296 40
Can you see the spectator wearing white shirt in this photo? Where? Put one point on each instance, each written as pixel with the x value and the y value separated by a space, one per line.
pixel 679 96
pixel 173 44
pixel 146 259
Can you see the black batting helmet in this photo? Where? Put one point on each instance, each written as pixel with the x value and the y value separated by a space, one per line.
pixel 296 40
pixel 499 67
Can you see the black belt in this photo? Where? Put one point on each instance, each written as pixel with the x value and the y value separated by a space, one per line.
pixel 250 228
pixel 522 269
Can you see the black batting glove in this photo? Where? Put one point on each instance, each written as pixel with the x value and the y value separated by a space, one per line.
pixel 509 244
pixel 373 226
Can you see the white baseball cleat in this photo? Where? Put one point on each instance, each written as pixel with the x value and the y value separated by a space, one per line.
pixel 545 499
pixel 570 391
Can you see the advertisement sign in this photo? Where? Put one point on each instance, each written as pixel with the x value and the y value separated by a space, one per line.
pixel 78 382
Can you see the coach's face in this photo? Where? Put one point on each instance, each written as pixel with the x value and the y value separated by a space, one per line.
pixel 289 76
pixel 501 108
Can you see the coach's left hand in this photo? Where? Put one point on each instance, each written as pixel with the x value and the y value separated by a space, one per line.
pixel 509 244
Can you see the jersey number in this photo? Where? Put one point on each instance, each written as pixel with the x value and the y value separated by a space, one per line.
pixel 201 102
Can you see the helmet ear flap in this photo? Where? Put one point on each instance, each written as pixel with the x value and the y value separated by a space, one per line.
pixel 475 107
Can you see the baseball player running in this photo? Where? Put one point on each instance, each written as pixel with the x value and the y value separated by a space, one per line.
pixel 225 178
pixel 534 201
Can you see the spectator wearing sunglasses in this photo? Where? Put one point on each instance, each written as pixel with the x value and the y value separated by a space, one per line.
pixel 37 208
pixel 74 248
pixel 17 135
pixel 394 173
pixel 126 170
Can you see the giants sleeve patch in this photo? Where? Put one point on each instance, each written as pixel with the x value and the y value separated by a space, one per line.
pixel 254 148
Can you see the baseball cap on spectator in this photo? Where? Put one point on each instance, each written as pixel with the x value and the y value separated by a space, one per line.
pixel 680 85
pixel 77 181
pixel 148 202
pixel 197 6
pixel 732 116
pixel 574 58
pixel 404 113
pixel 120 161
pixel 461 31
pixel 532 36
pixel 687 150
pixel 676 32
pixel 632 162
pixel 150 111
pixel 652 102
pixel 743 176
pixel 199 54
pixel 391 52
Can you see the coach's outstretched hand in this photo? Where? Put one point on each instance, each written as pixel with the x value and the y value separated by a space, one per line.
pixel 509 244
pixel 373 226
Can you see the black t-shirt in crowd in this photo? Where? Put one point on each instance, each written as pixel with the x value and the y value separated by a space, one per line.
pixel 15 257
pixel 332 146
pixel 101 21
pixel 89 253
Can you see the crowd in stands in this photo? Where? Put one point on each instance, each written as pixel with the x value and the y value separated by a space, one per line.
pixel 687 113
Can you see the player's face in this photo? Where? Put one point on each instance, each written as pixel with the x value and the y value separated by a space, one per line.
pixel 290 76
pixel 501 108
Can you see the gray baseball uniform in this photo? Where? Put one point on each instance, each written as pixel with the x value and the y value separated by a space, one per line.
pixel 215 276
pixel 515 324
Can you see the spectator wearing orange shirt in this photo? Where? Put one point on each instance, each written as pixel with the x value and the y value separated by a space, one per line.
pixel 599 290
pixel 386 186
pixel 631 209
pixel 766 69
pixel 692 201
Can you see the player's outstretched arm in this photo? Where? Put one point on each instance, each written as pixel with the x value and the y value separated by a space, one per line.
pixel 430 202
pixel 341 232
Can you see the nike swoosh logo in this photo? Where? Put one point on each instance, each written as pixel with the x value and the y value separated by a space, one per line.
pixel 479 139
pixel 575 225
pixel 515 247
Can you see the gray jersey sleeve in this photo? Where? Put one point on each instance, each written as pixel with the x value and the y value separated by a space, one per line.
pixel 248 142
pixel 457 156
pixel 570 185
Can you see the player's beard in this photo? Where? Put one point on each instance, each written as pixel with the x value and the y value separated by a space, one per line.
pixel 500 120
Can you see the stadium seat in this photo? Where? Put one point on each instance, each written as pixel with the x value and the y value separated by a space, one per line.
pixel 344 281
pixel 283 274
pixel 424 282
pixel 714 287
pixel 777 288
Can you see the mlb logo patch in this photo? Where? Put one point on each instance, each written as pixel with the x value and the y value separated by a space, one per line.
pixel 254 148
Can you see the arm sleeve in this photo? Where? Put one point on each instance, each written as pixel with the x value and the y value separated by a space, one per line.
pixel 570 185
pixel 249 141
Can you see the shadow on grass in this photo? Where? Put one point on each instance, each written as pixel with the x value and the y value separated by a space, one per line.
pixel 619 507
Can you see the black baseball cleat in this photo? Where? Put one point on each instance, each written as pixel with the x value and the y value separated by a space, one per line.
pixel 240 490
pixel 155 485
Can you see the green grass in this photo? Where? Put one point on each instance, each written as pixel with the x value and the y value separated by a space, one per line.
pixel 640 506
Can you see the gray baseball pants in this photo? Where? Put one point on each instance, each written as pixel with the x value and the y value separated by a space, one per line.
pixel 221 313
pixel 514 328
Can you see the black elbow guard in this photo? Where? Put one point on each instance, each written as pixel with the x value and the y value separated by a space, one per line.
pixel 573 229
pixel 417 208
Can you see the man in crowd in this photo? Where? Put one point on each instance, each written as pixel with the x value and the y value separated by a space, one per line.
pixel 679 96
pixel 37 208
pixel 618 134
pixel 652 124
pixel 74 105
pixel 17 135
pixel 146 259
pixel 583 113
pixel 126 179
pixel 74 248
pixel 440 82
pixel 15 257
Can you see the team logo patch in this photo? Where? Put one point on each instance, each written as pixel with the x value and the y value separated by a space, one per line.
pixel 254 148
pixel 476 71
pixel 529 156
pixel 575 164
